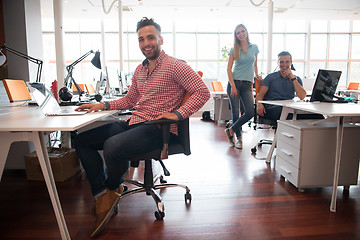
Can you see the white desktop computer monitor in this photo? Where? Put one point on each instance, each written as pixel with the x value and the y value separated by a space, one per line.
pixel 123 81
pixel 113 78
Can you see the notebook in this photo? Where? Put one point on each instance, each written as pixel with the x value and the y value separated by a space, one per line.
pixel 48 104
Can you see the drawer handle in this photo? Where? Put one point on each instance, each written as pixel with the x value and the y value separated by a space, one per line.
pixel 286 152
pixel 287 135
pixel 286 170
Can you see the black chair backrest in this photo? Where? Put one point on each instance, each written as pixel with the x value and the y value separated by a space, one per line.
pixel 182 144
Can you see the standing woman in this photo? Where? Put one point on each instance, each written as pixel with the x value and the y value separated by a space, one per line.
pixel 239 88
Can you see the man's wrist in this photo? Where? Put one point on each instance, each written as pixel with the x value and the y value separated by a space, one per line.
pixel 293 79
pixel 106 105
pixel 178 115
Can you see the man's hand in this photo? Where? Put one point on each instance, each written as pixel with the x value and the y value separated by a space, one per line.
pixel 91 107
pixel 260 109
pixel 287 73
pixel 171 116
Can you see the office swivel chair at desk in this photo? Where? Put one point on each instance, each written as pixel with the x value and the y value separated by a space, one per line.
pixel 261 120
pixel 180 145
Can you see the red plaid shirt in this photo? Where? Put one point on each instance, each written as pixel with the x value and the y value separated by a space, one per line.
pixel 162 90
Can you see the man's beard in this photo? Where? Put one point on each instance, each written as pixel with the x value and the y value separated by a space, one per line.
pixel 153 56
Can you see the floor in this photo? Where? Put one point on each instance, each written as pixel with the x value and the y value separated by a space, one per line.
pixel 235 195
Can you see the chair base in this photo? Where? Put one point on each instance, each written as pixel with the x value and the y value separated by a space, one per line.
pixel 259 145
pixel 149 187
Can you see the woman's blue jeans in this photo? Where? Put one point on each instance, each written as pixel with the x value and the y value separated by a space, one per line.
pixel 119 143
pixel 245 97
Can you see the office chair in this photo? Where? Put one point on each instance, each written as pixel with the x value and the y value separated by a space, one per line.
pixel 261 120
pixel 273 124
pixel 180 146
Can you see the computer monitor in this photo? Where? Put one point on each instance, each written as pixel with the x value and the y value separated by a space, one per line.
pixel 113 77
pixel 103 78
pixel 325 86
pixel 123 82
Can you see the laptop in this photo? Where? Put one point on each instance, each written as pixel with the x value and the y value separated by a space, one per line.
pixel 4 99
pixel 49 106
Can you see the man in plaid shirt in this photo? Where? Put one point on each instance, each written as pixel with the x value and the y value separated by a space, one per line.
pixel 157 90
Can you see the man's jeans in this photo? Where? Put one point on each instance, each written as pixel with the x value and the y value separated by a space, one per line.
pixel 119 143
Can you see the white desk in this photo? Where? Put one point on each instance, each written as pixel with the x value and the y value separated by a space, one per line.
pixel 339 112
pixel 29 124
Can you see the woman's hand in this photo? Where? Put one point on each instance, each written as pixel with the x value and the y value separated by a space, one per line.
pixel 259 79
pixel 233 92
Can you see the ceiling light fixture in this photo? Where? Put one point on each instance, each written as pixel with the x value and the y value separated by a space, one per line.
pixel 257 4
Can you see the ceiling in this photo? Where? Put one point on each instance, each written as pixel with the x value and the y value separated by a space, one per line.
pixel 283 9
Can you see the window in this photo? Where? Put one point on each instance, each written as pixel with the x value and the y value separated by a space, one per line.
pixel 332 44
pixel 339 46
pixel 185 46
pixel 318 46
pixel 295 44
pixel 208 47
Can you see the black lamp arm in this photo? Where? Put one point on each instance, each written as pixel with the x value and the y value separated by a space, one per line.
pixel 27 57
pixel 70 68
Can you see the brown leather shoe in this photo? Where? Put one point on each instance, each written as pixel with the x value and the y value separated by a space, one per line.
pixel 104 205
pixel 120 190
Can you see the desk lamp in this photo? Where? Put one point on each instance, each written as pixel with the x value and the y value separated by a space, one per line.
pixel 65 92
pixel 39 62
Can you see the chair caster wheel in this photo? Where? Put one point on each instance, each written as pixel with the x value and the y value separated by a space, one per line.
pixel 163 181
pixel 253 150
pixel 188 197
pixel 159 215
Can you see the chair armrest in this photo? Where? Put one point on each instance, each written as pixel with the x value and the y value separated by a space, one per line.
pixel 165 128
pixel 161 121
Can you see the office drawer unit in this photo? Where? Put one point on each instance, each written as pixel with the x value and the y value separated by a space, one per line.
pixel 215 109
pixel 305 153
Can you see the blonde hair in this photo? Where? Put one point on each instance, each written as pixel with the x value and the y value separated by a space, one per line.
pixel 237 43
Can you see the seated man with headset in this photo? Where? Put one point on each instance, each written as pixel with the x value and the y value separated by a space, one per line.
pixel 281 85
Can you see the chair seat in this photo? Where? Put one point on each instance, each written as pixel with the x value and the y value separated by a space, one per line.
pixel 175 148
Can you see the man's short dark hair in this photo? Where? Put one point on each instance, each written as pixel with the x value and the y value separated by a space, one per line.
pixel 285 53
pixel 147 22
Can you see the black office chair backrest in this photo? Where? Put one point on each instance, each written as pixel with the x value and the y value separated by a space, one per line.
pixel 177 144
pixel 182 142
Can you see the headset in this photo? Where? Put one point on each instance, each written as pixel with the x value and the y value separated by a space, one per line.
pixel 66 95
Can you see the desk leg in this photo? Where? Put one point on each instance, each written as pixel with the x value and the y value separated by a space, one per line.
pixel 5 143
pixel 220 110
pixel 284 113
pixel 339 138
pixel 39 141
